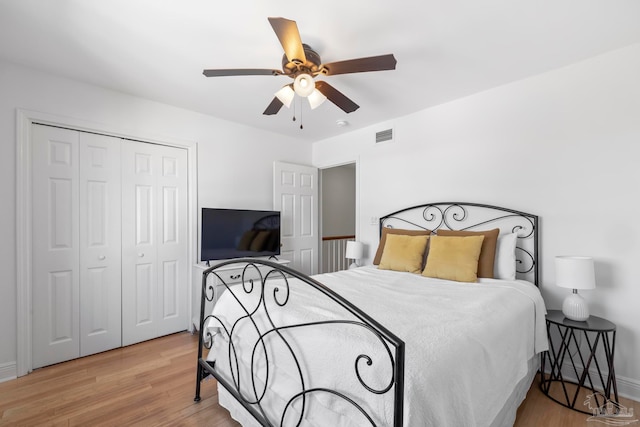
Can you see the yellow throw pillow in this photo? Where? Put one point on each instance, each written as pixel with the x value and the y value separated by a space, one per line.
pixel 454 258
pixel 488 251
pixel 383 239
pixel 403 253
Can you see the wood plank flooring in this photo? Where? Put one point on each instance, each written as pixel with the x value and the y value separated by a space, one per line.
pixel 152 384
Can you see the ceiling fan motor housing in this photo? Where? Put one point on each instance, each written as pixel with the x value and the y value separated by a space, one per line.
pixel 297 66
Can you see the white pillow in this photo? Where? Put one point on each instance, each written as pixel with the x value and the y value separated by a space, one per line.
pixel 504 266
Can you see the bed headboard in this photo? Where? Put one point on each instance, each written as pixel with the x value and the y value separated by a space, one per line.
pixel 476 217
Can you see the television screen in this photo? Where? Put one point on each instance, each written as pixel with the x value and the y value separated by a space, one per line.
pixel 237 233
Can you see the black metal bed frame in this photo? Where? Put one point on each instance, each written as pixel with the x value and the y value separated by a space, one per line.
pixel 432 216
pixel 394 347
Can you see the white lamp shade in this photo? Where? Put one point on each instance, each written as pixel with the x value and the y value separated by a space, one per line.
pixel 304 85
pixel 316 98
pixel 354 250
pixel 575 272
pixel 285 95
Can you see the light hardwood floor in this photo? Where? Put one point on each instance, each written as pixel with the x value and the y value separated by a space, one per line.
pixel 152 384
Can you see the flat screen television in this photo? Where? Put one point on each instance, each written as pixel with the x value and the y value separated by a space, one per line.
pixel 239 233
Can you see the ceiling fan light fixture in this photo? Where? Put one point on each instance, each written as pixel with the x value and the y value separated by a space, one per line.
pixel 316 99
pixel 285 95
pixel 304 85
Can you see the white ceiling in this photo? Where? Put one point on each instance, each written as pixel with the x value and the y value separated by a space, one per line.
pixel 446 49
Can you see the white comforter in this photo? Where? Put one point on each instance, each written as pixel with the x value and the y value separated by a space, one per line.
pixel 467 344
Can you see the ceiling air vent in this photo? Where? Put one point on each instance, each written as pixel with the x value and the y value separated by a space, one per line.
pixel 384 135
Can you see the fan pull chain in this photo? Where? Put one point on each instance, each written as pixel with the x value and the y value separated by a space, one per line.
pixel 294 109
pixel 294 112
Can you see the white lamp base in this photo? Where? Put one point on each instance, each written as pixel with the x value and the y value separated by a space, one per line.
pixel 353 265
pixel 575 307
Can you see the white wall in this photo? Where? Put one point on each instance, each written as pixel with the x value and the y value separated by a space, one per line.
pixel 234 163
pixel 564 145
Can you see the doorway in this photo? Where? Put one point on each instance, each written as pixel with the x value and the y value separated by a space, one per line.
pixel 338 215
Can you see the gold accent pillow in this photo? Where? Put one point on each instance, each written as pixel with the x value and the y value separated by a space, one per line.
pixel 386 231
pixel 403 253
pixel 454 258
pixel 488 251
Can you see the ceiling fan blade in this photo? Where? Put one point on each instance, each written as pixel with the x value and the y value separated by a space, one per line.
pixel 274 107
pixel 289 36
pixel 241 72
pixel 335 96
pixel 360 65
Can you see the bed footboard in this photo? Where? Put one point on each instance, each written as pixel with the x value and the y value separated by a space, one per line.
pixel 268 353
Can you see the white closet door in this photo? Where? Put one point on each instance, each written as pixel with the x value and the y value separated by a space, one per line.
pixel 172 255
pixel 55 247
pixel 154 245
pixel 100 281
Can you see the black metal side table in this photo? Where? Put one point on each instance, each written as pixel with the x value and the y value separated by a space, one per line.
pixel 599 336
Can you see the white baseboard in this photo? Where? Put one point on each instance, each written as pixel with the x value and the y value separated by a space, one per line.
pixel 8 371
pixel 628 388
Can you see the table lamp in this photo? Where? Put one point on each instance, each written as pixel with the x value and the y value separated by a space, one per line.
pixel 354 251
pixel 575 272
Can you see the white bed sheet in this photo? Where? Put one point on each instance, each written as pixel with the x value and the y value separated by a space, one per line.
pixel 505 418
pixel 467 344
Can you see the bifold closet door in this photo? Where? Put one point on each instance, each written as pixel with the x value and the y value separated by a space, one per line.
pixel 100 244
pixel 75 244
pixel 154 241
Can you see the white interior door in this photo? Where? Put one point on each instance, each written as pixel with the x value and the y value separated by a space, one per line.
pixel 154 241
pixel 100 269
pixel 172 248
pixel 295 195
pixel 55 245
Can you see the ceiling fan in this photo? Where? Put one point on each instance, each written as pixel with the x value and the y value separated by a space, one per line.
pixel 303 64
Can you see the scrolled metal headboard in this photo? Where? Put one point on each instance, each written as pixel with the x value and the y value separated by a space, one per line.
pixel 476 217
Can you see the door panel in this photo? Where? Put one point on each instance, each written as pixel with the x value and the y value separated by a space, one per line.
pixel 144 294
pixel 61 309
pixel 62 203
pixel 139 262
pixel 170 215
pixel 154 242
pixel 287 215
pixel 307 211
pixel 97 283
pixel 306 260
pixel 170 289
pixel 172 243
pixel 55 268
pixel 296 197
pixel 100 243
pixel 143 219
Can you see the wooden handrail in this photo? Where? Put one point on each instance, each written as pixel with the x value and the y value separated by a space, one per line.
pixel 337 237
